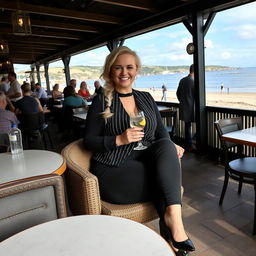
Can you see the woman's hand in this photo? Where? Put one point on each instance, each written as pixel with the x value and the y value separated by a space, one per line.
pixel 130 135
pixel 180 151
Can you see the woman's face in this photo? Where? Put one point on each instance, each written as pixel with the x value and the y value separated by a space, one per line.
pixel 123 72
pixel 83 85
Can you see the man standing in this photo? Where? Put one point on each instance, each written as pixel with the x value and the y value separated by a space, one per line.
pixel 164 89
pixel 186 96
pixel 14 93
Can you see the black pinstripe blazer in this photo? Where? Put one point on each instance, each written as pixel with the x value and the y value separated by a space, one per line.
pixel 100 137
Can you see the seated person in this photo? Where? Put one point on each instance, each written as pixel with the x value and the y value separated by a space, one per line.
pixel 28 104
pixel 72 99
pixel 56 94
pixel 98 89
pixel 72 84
pixel 7 118
pixel 83 91
pixel 4 86
pixel 125 175
pixel 41 94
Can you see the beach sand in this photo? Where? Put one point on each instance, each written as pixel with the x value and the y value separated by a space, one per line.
pixel 217 99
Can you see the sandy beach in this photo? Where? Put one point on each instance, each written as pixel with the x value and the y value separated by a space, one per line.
pixel 220 99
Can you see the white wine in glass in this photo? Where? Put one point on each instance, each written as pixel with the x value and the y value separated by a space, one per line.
pixel 138 120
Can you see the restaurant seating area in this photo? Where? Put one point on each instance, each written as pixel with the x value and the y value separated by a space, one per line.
pixel 215 230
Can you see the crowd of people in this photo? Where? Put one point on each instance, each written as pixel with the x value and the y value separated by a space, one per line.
pixel 16 99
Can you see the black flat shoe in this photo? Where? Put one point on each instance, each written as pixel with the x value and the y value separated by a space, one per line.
pixel 186 245
pixel 181 253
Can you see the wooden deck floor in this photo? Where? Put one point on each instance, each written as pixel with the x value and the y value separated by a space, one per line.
pixel 215 230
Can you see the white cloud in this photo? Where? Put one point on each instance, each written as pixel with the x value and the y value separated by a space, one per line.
pixel 180 57
pixel 208 44
pixel 181 45
pixel 225 55
pixel 247 31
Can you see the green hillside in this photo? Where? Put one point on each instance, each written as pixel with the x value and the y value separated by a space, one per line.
pixel 94 72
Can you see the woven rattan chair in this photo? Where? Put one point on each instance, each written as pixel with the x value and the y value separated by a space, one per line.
pixel 83 190
pixel 31 201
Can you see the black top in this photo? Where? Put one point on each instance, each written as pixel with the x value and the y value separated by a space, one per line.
pixel 27 105
pixel 99 90
pixel 186 96
pixel 100 137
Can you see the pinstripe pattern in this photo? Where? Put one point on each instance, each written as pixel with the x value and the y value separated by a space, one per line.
pixel 120 121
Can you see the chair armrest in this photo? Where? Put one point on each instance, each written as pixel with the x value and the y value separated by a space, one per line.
pixel 82 186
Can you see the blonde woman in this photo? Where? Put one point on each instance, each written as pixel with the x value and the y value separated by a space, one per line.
pixel 131 176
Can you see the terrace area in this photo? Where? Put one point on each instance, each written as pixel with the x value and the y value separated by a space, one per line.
pixel 215 230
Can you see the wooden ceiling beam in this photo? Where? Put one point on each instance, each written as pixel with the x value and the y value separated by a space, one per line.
pixel 57 12
pixel 31 46
pixel 55 25
pixel 40 33
pixel 135 4
pixel 34 40
pixel 64 26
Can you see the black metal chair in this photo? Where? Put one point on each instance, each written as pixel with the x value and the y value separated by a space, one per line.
pixel 242 169
pixel 169 117
pixel 4 148
pixel 34 129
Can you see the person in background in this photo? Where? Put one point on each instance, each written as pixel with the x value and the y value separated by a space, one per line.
pixel 56 94
pixel 41 94
pixel 33 86
pixel 125 175
pixel 4 86
pixel 83 91
pixel 7 118
pixel 164 90
pixel 98 88
pixel 186 96
pixel 72 84
pixel 28 104
pixel 72 99
pixel 14 93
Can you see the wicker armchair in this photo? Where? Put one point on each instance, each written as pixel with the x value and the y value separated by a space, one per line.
pixel 83 189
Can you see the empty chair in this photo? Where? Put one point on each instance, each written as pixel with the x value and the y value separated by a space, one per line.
pixel 28 202
pixel 170 117
pixel 34 129
pixel 4 148
pixel 242 169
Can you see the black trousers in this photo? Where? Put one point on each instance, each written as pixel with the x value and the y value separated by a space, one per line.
pixel 152 174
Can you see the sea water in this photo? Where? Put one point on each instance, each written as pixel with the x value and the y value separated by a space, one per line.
pixel 234 80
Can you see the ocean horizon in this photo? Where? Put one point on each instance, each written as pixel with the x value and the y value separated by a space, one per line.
pixel 234 80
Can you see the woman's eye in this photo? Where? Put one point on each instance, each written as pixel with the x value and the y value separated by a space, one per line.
pixel 130 67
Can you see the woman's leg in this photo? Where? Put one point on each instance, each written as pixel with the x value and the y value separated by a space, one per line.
pixel 125 184
pixel 167 189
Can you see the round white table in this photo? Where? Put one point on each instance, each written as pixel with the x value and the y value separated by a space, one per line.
pixel 93 235
pixel 30 163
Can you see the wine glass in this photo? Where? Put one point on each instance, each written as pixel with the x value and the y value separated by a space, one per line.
pixel 138 120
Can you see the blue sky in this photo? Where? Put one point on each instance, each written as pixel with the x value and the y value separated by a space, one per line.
pixel 230 41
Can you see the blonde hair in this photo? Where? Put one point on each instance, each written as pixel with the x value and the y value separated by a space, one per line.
pixel 106 75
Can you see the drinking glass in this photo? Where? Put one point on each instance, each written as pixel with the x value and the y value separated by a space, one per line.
pixel 138 120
